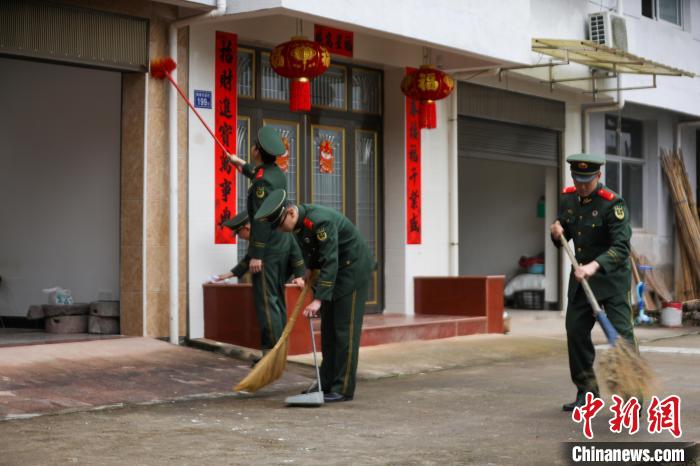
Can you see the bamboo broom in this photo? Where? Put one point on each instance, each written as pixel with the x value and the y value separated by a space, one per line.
pixel 271 366
pixel 623 369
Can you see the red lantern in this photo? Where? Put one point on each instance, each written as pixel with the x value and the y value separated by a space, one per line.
pixel 427 84
pixel 300 60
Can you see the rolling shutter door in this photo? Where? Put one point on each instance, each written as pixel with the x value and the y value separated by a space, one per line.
pixel 493 140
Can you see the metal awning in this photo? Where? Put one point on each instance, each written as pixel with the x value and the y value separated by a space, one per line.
pixel 595 55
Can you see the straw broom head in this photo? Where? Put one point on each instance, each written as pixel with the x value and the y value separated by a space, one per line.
pixel 626 373
pixel 271 367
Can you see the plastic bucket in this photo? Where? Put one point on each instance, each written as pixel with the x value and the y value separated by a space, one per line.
pixel 672 315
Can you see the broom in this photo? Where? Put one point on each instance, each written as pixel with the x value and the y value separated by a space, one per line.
pixel 624 371
pixel 271 366
pixel 161 68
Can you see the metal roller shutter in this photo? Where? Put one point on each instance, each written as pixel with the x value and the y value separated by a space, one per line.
pixel 493 140
pixel 64 33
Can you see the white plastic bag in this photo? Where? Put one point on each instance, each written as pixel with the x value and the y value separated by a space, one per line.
pixel 58 295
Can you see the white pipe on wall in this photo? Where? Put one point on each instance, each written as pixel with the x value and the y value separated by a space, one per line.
pixel 453 194
pixel 174 181
pixel 587 109
pixel 679 130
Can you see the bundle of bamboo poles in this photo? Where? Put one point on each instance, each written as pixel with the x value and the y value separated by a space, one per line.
pixel 687 225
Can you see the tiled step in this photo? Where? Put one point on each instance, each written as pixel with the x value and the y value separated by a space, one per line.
pixel 379 329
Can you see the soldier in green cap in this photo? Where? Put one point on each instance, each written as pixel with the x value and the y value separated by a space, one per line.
pixel 597 219
pixel 290 263
pixel 268 250
pixel 331 243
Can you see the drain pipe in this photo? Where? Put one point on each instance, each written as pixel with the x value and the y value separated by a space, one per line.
pixel 587 109
pixel 679 130
pixel 173 158
pixel 452 186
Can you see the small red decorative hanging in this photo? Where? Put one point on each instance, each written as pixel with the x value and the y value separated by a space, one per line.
pixel 427 84
pixel 283 160
pixel 300 60
pixel 326 157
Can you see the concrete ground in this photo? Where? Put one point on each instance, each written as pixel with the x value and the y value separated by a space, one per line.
pixel 469 400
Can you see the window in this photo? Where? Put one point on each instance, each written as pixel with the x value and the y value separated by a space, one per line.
pixel 667 10
pixel 624 168
pixel 329 89
pixel 246 73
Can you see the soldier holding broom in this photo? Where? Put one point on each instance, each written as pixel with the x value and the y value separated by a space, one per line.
pixel 597 220
pixel 332 244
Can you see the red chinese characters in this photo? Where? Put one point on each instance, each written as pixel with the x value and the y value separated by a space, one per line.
pixel 587 412
pixel 225 109
pixel 665 415
pixel 662 415
pixel 413 172
pixel 625 415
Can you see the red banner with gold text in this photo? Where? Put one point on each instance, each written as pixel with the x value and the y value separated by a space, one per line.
pixel 337 41
pixel 225 108
pixel 413 172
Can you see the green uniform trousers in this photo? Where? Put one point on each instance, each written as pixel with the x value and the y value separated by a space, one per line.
pixel 268 295
pixel 579 323
pixel 341 327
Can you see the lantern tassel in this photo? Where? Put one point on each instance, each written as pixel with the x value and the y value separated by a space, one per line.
pixel 300 95
pixel 427 117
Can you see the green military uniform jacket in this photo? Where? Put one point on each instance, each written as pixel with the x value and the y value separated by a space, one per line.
pixel 265 178
pixel 331 243
pixel 296 260
pixel 600 228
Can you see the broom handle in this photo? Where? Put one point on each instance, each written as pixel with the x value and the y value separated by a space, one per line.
pixel 599 313
pixel 313 345
pixel 184 97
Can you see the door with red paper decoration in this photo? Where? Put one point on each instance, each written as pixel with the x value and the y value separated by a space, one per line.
pixel 333 152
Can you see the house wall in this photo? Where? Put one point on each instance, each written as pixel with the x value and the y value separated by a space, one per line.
pixel 391 39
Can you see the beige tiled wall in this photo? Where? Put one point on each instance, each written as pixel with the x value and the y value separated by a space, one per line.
pixel 157 186
pixel 131 231
pixel 183 40
pixel 151 154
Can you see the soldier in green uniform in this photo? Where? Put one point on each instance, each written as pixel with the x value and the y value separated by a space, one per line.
pixel 290 261
pixel 268 250
pixel 597 220
pixel 331 243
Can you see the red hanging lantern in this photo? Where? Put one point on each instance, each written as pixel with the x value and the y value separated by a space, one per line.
pixel 427 84
pixel 300 60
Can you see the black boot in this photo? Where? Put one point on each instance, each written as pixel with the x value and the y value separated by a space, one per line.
pixel 578 402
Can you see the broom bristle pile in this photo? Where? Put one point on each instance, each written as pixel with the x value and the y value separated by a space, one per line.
pixel 626 373
pixel 160 67
pixel 267 370
pixel 271 366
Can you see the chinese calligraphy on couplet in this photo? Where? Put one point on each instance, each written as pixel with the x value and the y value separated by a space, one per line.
pixel 413 172
pixel 225 107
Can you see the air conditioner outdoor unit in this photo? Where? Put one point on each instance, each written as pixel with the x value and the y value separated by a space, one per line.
pixel 607 29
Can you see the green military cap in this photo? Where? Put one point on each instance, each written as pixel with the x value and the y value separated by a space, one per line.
pixel 270 141
pixel 272 209
pixel 237 222
pixel 584 167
